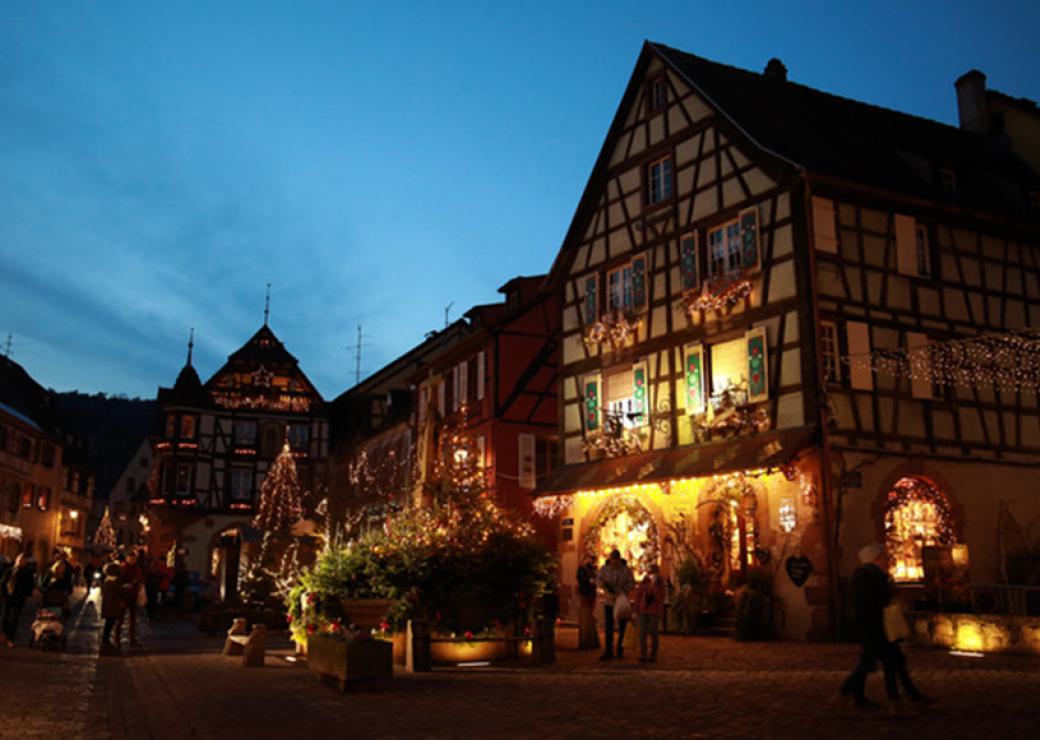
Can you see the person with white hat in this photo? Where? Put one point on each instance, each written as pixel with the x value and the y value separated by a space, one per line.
pixel 871 592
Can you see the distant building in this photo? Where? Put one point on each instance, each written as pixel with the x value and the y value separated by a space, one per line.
pixel 771 307
pixel 129 498
pixel 45 486
pixel 214 444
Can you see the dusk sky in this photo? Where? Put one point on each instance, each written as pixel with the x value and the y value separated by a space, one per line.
pixel 161 162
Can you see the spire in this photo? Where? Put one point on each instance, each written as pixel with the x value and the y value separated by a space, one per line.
pixel 267 304
pixel 191 345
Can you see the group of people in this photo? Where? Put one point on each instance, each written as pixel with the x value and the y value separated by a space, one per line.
pixel 622 599
pixel 132 580
pixel 872 592
pixel 19 581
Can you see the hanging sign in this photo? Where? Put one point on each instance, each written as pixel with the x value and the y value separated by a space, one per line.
pixel 798 569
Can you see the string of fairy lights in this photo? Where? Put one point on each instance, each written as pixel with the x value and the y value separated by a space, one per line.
pixel 1008 361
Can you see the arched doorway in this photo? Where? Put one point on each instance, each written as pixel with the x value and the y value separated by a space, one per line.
pixel 624 523
pixel 731 507
pixel 917 514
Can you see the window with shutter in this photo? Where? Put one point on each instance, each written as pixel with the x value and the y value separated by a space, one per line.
pixel 688 262
pixel 591 299
pixel 526 455
pixel 640 406
pixel 659 181
pixel 693 369
pixel 825 234
pixel 829 352
pixel 749 239
pixel 857 336
pixel 591 394
pixel 906 245
pixel 462 375
pixel 481 361
pixel 757 365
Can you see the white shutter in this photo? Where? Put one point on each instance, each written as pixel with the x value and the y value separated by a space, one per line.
pixel 481 359
pixel 525 454
pixel 454 388
pixel 825 235
pixel 860 375
pixel 463 374
pixel 481 449
pixel 920 365
pixel 906 245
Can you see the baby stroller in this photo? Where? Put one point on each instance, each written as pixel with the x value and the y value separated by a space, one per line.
pixel 48 628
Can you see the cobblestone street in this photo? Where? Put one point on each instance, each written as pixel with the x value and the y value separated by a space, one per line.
pixel 178 685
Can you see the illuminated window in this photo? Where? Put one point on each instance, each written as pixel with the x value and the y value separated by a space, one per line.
pixel 829 352
pixel 43 498
pixel 188 426
pixel 724 250
pixel 916 514
pixel 728 365
pixel 299 436
pixel 624 393
pixel 171 426
pixel 659 179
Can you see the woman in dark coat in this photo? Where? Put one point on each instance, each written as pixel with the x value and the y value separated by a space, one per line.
pixel 16 585
pixel 113 604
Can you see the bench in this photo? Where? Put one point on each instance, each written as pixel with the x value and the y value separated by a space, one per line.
pixel 250 646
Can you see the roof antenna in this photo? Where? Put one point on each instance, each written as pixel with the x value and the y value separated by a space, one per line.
pixel 267 304
pixel 357 355
pixel 446 309
pixel 191 343
pixel 7 346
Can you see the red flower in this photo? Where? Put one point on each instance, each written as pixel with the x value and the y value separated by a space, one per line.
pixel 311 629
pixel 468 634
pixel 288 618
pixel 312 597
pixel 384 626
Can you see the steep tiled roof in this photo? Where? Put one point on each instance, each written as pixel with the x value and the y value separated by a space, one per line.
pixel 831 135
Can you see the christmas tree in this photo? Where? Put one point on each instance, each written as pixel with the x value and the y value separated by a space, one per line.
pixel 105 536
pixel 280 500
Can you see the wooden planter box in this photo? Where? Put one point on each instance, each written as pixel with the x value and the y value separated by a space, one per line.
pixel 366 613
pixel 359 663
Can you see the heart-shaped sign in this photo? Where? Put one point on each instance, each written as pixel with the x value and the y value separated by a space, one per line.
pixel 798 569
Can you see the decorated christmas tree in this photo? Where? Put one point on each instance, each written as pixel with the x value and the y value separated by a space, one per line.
pixel 280 499
pixel 279 511
pixel 105 536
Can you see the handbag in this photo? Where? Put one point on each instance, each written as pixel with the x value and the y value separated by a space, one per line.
pixel 896 626
pixel 622 608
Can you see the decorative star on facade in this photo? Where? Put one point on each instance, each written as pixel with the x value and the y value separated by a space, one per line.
pixel 262 377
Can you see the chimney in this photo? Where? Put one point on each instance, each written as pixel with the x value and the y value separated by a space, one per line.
pixel 971 101
pixel 775 70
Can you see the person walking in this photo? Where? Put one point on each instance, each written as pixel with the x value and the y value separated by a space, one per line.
pixel 588 637
pixel 615 580
pixel 872 591
pixel 650 606
pixel 16 585
pixel 113 605
pixel 133 583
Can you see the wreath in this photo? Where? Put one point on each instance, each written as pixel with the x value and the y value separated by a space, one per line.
pixel 639 514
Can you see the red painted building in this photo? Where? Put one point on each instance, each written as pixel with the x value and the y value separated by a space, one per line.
pixel 502 377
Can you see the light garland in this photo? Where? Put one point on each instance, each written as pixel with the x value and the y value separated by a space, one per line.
pixel 9 532
pixel 729 412
pixel 916 514
pixel 551 507
pixel 716 296
pixel 612 331
pixel 614 440
pixel 458 465
pixel 283 402
pixel 1010 361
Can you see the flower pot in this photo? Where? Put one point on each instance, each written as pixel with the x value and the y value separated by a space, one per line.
pixel 366 613
pixel 356 663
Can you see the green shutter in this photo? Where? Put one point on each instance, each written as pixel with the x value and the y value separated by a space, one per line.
pixel 639 282
pixel 591 403
pixel 693 366
pixel 591 299
pixel 688 261
pixel 758 367
pixel 749 239
pixel 639 393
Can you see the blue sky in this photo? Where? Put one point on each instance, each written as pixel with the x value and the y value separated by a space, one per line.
pixel 161 162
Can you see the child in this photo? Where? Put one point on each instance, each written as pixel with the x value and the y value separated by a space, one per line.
pixel 113 604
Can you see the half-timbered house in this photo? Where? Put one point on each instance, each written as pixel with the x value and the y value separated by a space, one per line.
pixel 744 248
pixel 214 444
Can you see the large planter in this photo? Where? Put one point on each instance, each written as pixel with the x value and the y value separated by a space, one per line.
pixel 366 613
pixel 358 663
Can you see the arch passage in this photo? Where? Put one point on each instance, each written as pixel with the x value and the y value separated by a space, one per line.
pixel 624 523
pixel 916 514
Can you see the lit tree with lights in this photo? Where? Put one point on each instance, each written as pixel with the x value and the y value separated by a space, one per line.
pixel 105 536
pixel 458 467
pixel 279 511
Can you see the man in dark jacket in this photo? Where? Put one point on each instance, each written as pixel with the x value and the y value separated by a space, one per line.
pixel 871 593
pixel 16 585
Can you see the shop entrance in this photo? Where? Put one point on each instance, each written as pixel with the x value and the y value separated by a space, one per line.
pixel 624 524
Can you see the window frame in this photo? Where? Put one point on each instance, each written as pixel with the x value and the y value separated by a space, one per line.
pixel 666 181
pixel 830 360
pixel 923 251
pixel 656 103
